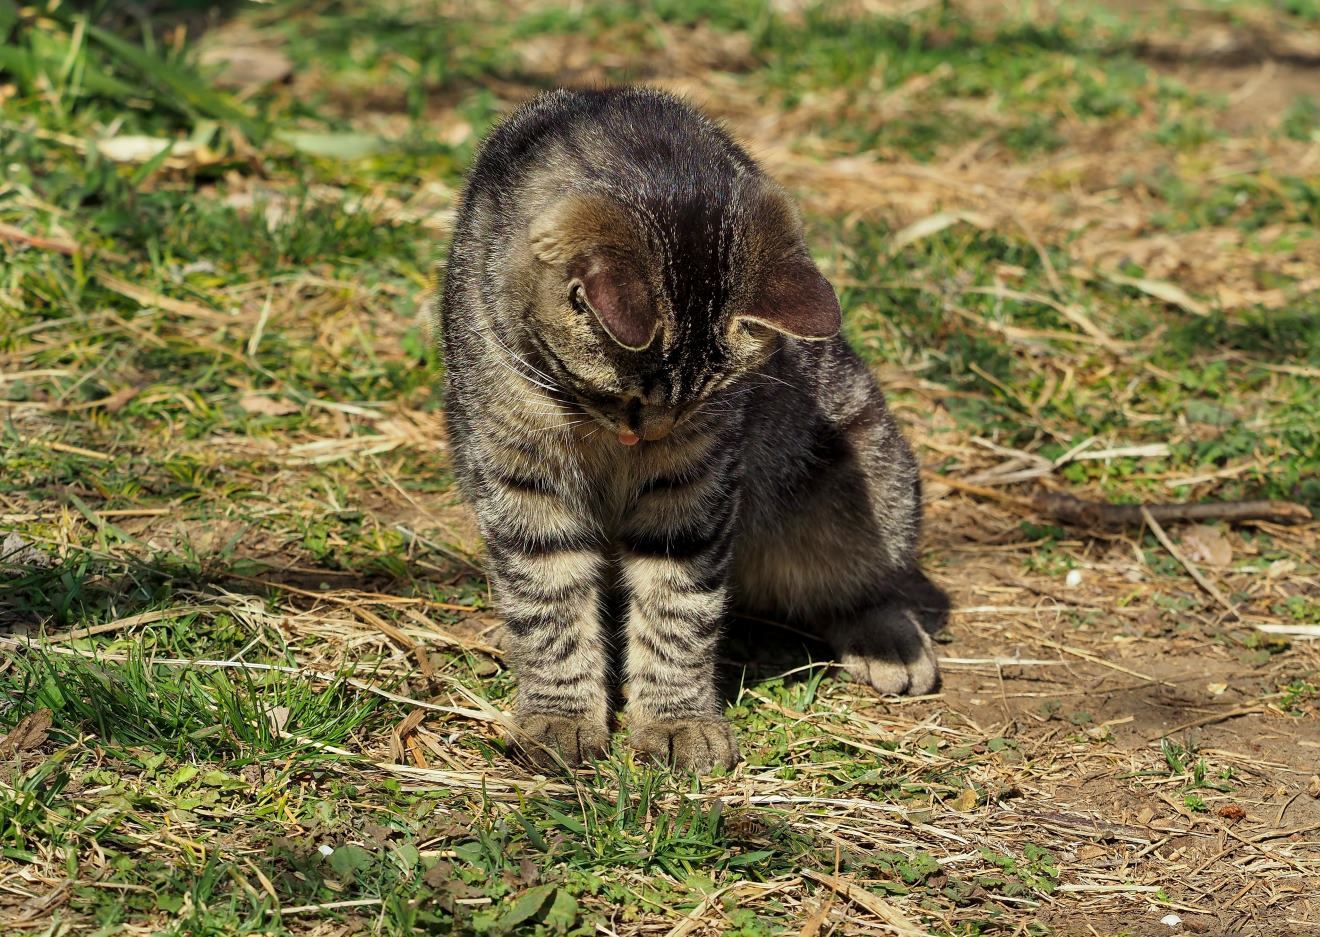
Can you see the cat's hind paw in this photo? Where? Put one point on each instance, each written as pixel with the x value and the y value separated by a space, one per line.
pixel 688 744
pixel 550 741
pixel 889 651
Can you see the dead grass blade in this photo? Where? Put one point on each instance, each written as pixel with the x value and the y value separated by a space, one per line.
pixel 896 922
pixel 1187 564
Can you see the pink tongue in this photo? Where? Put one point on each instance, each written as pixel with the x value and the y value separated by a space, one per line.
pixel 628 439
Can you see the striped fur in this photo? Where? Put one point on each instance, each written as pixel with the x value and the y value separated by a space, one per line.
pixel 621 271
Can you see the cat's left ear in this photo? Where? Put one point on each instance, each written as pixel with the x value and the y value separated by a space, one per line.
pixel 797 300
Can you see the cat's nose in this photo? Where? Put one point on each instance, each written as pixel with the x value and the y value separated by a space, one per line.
pixel 655 425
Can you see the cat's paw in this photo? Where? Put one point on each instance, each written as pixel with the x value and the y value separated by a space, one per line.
pixel 688 744
pixel 889 651
pixel 550 741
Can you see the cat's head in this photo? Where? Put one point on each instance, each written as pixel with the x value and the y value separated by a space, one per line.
pixel 643 308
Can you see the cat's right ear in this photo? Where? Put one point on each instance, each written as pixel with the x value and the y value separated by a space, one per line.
pixel 589 239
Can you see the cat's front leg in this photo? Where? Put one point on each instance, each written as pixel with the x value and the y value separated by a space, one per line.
pixel 675 562
pixel 547 578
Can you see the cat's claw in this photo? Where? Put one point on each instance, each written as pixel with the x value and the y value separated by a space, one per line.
pixel 688 744
pixel 550 742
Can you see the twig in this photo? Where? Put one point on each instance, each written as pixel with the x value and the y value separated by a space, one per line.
pixel 1110 889
pixel 329 906
pixel 68 248
pixel 1079 512
pixel 411 537
pixel 357 598
pixel 435 633
pixel 999 662
pixel 398 637
pixel 692 920
pixel 1306 632
pixel 148 298
pixel 981 491
pixel 1187 564
pixel 72 450
pixel 1208 721
pixel 132 621
pixel 873 903
pixel 17 235
pixel 1087 656
pixel 1069 311
pixel 1071 510
pixel 816 919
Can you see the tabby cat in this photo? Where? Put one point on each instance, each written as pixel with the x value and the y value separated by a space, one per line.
pixel 651 410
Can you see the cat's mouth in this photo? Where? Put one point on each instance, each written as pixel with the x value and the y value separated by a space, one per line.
pixel 637 427
pixel 654 430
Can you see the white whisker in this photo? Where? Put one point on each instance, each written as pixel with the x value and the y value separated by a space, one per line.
pixel 501 350
pixel 514 355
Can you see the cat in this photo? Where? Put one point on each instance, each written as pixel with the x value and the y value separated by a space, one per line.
pixel 647 398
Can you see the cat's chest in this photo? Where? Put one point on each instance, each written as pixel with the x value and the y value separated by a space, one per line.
pixel 613 474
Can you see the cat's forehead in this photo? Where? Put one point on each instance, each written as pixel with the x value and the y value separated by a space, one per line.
pixel 698 241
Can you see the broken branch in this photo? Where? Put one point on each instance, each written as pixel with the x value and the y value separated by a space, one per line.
pixel 1080 512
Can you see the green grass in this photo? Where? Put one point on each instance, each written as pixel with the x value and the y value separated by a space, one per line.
pixel 219 436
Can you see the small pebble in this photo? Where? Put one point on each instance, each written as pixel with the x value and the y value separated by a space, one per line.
pixel 325 850
pixel 1073 579
pixel 1172 920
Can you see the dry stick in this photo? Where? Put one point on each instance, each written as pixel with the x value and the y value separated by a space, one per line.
pixel 1187 564
pixel 1083 513
pixel 132 621
pixel 1072 510
pixel 1308 632
pixel 398 637
pixel 1080 512
pixel 1087 656
pixel 1208 720
pixel 328 906
pixel 873 903
pixel 1252 842
pixel 378 598
pixel 148 298
pixel 981 491
pixel 1110 889
pixel 692 920
pixel 1070 311
pixel 411 537
pixel 816 920
pixel 435 633
pixel 17 235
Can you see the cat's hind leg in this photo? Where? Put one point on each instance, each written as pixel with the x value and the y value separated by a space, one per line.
pixel 880 634
pixel 842 562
